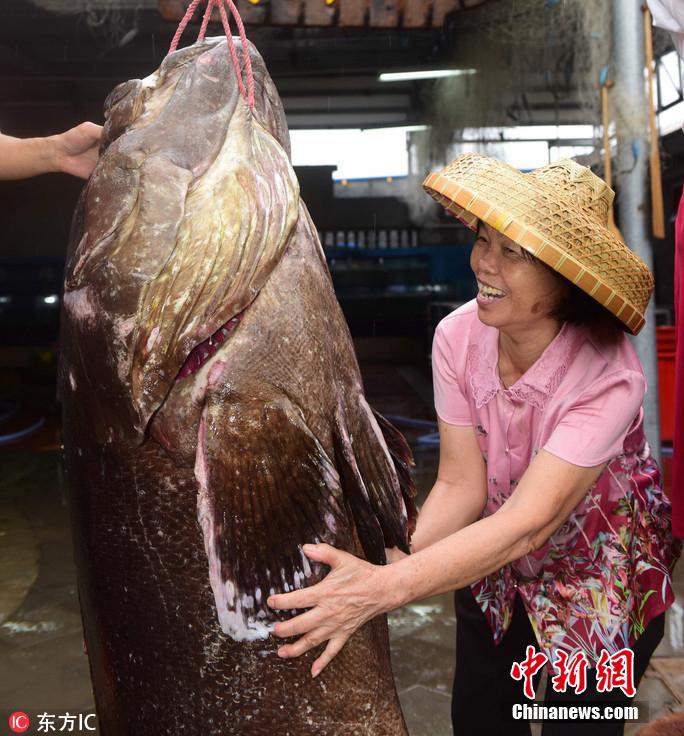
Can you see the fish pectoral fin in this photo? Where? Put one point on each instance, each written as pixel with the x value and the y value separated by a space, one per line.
pixel 373 464
pixel 402 457
pixel 266 487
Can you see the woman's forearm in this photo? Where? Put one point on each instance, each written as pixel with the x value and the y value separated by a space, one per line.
pixel 21 158
pixel 459 559
pixel 447 509
pixel 524 523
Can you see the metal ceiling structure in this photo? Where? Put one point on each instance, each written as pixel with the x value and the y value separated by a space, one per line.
pixel 63 64
pixel 342 13
pixel 60 58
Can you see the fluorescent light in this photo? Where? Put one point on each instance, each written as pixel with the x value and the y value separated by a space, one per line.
pixel 671 119
pixel 424 74
pixel 357 154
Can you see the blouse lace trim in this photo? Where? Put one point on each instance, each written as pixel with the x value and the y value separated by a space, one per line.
pixel 535 386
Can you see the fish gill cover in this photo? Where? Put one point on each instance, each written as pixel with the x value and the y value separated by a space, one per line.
pixel 193 201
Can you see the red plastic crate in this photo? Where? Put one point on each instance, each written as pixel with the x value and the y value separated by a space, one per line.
pixel 665 343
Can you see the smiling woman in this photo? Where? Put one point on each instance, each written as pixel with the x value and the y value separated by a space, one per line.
pixel 512 285
pixel 545 290
pixel 547 516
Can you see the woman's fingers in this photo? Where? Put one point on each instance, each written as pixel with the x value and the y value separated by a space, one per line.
pixel 299 624
pixel 338 605
pixel 303 644
pixel 303 598
pixel 329 653
pixel 324 553
pixel 309 597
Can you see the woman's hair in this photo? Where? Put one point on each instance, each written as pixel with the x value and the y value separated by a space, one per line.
pixel 578 308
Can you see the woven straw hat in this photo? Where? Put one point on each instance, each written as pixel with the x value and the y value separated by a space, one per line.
pixel 559 213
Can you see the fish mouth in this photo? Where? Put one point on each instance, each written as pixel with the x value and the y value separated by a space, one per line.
pixel 203 352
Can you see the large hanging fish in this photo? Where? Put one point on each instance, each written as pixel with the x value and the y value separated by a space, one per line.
pixel 214 420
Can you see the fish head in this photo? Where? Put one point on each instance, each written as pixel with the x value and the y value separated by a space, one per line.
pixel 134 103
pixel 187 214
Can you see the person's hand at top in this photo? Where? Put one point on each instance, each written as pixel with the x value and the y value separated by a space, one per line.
pixel 73 152
pixel 76 150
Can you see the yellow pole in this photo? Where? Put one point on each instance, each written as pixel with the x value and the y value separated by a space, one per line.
pixel 657 210
pixel 607 164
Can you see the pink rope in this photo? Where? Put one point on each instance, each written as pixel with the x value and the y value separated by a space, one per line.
pixel 182 25
pixel 233 52
pixel 206 19
pixel 245 53
pixel 249 92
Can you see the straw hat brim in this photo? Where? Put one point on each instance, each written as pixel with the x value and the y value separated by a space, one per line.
pixel 590 265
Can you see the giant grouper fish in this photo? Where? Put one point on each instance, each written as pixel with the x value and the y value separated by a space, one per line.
pixel 214 420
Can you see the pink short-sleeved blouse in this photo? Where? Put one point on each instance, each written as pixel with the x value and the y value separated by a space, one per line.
pixel 606 572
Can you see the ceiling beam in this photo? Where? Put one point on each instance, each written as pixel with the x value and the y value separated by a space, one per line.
pixel 342 13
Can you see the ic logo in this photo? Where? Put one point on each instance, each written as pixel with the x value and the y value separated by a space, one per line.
pixel 19 722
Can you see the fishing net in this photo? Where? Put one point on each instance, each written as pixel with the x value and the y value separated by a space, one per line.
pixel 529 62
pixel 112 22
pixel 534 61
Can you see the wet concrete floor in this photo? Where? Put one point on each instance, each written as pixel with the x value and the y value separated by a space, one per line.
pixel 42 664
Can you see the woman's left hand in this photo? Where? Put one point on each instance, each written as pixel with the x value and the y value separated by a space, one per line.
pixel 353 592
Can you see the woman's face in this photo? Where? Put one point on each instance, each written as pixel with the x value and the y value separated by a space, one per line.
pixel 513 292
